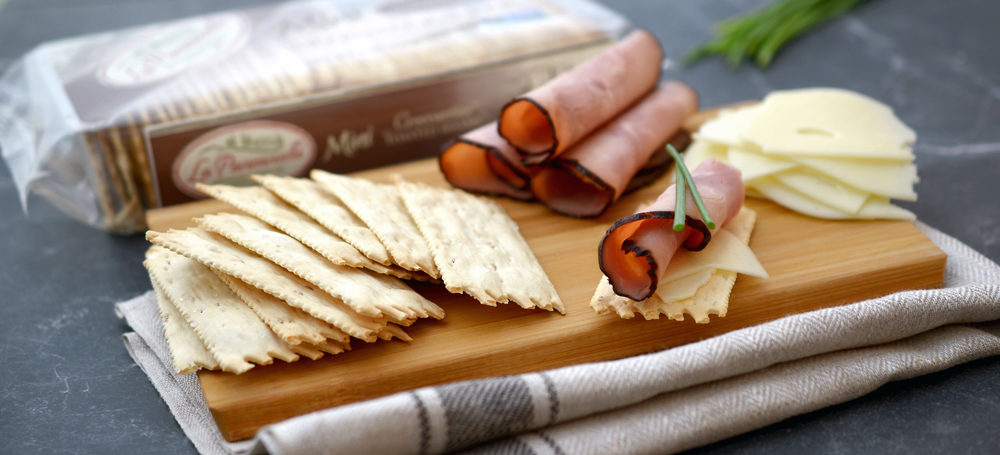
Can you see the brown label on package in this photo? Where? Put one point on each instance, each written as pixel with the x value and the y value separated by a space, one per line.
pixel 341 134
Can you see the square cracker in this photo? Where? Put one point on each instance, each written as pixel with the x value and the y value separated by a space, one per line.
pixel 265 206
pixel 220 254
pixel 230 330
pixel 478 248
pixel 381 207
pixel 187 351
pixel 712 298
pixel 307 196
pixel 367 293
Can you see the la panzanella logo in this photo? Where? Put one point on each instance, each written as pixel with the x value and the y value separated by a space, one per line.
pixel 231 154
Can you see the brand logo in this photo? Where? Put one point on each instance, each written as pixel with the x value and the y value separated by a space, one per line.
pixel 348 143
pixel 231 154
pixel 166 51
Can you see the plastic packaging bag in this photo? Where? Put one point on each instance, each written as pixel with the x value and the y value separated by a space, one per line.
pixel 108 125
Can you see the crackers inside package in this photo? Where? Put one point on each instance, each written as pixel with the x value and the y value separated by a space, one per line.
pixel 108 125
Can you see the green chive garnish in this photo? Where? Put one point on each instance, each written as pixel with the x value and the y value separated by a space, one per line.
pixel 679 214
pixel 758 35
pixel 683 175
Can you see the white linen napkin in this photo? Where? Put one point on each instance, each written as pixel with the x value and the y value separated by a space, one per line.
pixel 670 400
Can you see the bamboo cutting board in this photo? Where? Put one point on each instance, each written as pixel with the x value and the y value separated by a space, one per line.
pixel 813 264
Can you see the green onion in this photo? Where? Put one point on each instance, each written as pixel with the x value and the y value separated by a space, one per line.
pixel 679 214
pixel 684 177
pixel 759 35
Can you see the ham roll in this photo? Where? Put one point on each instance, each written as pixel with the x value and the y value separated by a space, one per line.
pixel 551 118
pixel 635 251
pixel 594 173
pixel 481 161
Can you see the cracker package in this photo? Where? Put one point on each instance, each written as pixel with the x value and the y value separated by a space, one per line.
pixel 108 125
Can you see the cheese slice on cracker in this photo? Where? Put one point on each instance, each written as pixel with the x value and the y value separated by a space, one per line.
pixel 230 330
pixel 381 207
pixel 267 207
pixel 478 248
pixel 695 283
pixel 218 253
pixel 365 292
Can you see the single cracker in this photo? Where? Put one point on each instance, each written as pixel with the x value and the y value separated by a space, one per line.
pixel 367 293
pixel 218 253
pixel 267 207
pixel 293 325
pixel 381 207
pixel 712 298
pixel 329 212
pixel 187 351
pixel 230 330
pixel 478 248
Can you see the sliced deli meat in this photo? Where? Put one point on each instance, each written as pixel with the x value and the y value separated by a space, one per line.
pixel 635 251
pixel 483 162
pixel 551 118
pixel 595 172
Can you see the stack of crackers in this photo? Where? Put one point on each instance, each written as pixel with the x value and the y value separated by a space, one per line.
pixel 315 262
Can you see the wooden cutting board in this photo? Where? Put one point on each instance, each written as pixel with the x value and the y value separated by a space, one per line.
pixel 813 264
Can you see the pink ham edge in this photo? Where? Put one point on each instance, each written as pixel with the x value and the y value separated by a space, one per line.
pixel 593 174
pixel 635 251
pixel 481 161
pixel 551 118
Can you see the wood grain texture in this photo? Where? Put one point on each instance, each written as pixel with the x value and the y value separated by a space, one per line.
pixel 813 264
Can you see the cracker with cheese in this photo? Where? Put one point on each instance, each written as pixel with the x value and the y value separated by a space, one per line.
pixel 695 283
pixel 231 332
pixel 478 248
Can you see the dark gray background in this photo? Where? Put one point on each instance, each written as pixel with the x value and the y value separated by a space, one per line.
pixel 67 384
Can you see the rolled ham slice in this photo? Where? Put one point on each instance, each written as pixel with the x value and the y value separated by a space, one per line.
pixel 635 251
pixel 481 161
pixel 594 173
pixel 551 118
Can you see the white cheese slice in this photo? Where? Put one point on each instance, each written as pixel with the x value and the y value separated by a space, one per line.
pixel 824 189
pixel 889 179
pixel 828 122
pixel 689 270
pixel 701 150
pixel 873 208
pixel 755 165
pixel 684 287
pixel 727 128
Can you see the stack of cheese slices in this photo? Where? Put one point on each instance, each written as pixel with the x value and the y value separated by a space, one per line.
pixel 824 152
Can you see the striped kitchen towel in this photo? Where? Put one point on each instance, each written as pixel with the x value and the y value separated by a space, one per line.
pixel 666 401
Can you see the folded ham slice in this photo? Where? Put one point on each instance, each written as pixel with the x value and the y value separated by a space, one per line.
pixel 551 118
pixel 595 172
pixel 635 251
pixel 483 162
